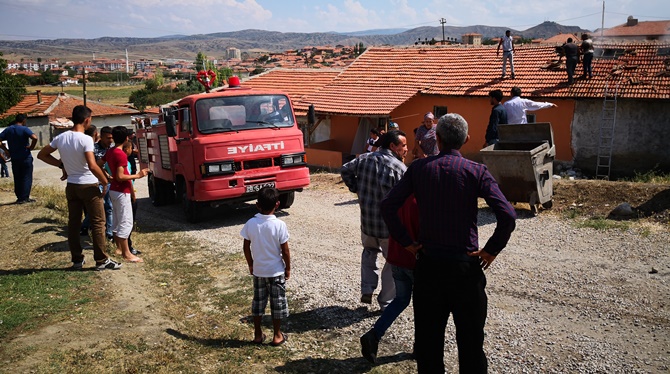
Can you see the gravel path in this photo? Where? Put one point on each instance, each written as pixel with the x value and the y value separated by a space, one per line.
pixel 561 299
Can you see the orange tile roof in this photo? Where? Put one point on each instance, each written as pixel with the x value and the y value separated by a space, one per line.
pixel 560 39
pixel 29 105
pixel 645 28
pixel 383 78
pixel 68 102
pixel 295 82
pixel 380 80
pixel 61 105
pixel 641 73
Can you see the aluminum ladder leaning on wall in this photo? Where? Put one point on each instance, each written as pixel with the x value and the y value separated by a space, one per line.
pixel 606 137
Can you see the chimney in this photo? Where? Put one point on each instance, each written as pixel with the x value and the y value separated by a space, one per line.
pixel 631 21
pixel 39 96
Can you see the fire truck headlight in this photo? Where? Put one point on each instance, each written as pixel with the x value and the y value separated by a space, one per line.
pixel 219 168
pixel 293 160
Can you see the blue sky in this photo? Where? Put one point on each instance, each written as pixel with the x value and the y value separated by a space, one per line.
pixel 50 19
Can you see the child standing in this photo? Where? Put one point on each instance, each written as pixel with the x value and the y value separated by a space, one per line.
pixel 269 260
pixel 4 157
pixel 120 192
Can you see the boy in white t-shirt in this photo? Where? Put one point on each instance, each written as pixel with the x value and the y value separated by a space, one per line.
pixel 269 260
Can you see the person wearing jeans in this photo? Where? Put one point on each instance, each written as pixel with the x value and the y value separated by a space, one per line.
pixel 402 265
pixel 18 136
pixel 449 274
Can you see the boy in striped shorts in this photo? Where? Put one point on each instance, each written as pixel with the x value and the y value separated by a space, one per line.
pixel 267 254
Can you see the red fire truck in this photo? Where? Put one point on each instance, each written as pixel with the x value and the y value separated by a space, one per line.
pixel 222 147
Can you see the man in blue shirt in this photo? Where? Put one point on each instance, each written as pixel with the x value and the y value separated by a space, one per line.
pixel 17 136
pixel 449 276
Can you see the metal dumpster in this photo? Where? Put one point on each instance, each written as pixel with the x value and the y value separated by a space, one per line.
pixel 522 163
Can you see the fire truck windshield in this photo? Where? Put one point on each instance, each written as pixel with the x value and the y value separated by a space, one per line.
pixel 236 113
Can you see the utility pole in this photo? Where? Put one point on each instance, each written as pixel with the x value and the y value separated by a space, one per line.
pixel 443 21
pixel 84 75
pixel 602 25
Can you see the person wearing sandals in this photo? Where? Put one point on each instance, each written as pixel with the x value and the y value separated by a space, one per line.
pixel 120 192
pixel 269 259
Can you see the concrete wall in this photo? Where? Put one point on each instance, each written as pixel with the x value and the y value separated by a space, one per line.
pixel 40 127
pixel 641 136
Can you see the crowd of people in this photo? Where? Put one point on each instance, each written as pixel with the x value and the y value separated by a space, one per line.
pixel 96 168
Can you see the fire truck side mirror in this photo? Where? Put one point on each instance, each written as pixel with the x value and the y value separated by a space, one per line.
pixel 171 125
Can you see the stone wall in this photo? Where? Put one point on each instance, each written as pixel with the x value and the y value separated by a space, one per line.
pixel 641 136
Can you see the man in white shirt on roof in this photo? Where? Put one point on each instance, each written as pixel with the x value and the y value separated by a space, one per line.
pixel 507 42
pixel 517 107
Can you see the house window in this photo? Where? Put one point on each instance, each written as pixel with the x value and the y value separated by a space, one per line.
pixel 530 118
pixel 439 111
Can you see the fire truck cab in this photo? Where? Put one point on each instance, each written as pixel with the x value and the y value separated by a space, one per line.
pixel 222 147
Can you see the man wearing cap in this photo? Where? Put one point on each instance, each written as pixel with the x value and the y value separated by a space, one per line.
pixel 425 143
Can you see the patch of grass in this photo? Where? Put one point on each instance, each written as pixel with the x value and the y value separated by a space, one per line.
pixel 572 213
pixel 53 199
pixel 32 297
pixel 651 176
pixel 600 223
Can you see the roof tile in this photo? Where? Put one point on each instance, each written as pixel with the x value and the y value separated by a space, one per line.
pixel 383 77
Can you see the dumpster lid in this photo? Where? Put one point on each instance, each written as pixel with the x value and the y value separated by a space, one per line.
pixel 527 132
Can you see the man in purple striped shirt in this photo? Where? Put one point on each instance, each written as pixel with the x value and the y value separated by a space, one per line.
pixel 449 275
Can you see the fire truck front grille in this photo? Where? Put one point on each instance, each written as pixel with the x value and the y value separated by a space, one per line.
pixel 257 164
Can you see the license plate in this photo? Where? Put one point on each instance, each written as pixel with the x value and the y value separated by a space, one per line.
pixel 257 187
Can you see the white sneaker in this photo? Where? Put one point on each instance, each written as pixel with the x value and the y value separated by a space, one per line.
pixel 108 264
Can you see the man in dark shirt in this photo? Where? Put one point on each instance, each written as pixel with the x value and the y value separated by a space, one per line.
pixel 571 51
pixel 21 140
pixel 498 117
pixel 449 275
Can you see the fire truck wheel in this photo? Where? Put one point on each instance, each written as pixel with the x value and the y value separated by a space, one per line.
pixel 286 200
pixel 154 193
pixel 191 210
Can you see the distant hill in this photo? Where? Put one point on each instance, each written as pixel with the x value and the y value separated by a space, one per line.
pixel 187 46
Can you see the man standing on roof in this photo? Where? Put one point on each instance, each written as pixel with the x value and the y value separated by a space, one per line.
pixel 17 136
pixel 571 51
pixel 498 117
pixel 516 107
pixel 507 42
pixel 587 51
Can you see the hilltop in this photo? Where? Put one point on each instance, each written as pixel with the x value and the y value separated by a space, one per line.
pixel 187 46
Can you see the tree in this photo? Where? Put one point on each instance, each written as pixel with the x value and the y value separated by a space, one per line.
pixel 48 77
pixel 361 48
pixel 11 87
pixel 200 61
pixel 223 74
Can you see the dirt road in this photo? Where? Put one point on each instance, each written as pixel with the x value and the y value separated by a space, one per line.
pixel 562 298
